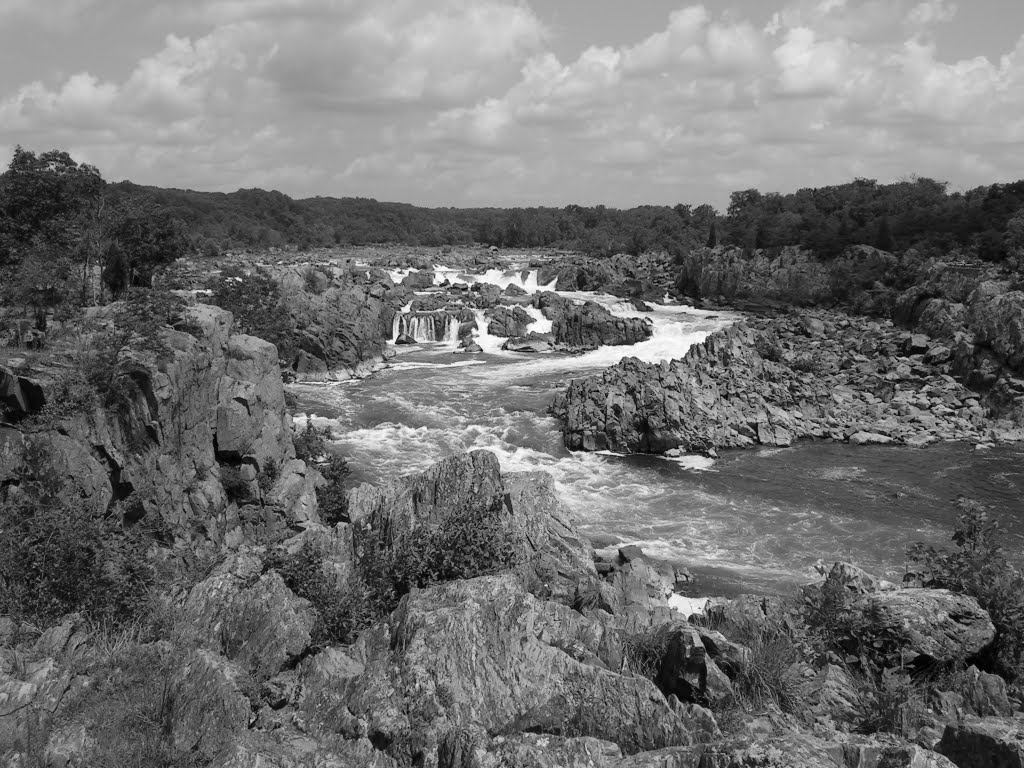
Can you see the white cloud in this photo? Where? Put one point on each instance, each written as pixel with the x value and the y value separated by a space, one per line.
pixel 459 102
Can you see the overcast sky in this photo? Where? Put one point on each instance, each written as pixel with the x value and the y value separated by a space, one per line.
pixel 499 102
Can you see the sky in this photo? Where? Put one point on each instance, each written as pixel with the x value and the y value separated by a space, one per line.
pixel 509 102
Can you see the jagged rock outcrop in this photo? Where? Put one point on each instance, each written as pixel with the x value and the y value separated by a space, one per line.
pixel 533 342
pixel 209 413
pixel 855 382
pixel 592 325
pixel 509 321
pixel 520 664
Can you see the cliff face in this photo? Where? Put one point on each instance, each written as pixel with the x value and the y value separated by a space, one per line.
pixel 190 436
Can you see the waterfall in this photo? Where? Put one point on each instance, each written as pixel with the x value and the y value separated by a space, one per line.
pixel 426 326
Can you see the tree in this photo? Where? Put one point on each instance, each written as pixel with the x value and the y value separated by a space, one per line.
pixel 713 236
pixel 884 241
pixel 142 238
pixel 44 197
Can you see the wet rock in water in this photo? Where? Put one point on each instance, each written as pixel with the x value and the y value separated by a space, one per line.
pixel 418 281
pixel 534 342
pixel 869 438
pixel 471 347
pixel 509 321
pixel 592 326
pixel 405 338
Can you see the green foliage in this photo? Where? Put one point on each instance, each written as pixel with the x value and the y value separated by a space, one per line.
pixel 311 445
pixel 255 301
pixel 465 544
pixel 978 566
pixel 235 485
pixel 806 362
pixel 342 612
pixel 267 479
pixel 332 498
pixel 59 557
pixel 768 346
pixel 142 238
pixel 130 694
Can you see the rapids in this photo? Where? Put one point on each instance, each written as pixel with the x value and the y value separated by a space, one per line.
pixel 755 520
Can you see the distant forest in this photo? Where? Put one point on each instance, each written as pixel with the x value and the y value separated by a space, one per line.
pixel 916 212
pixel 49 201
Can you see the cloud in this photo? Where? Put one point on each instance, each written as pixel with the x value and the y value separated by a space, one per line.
pixel 459 102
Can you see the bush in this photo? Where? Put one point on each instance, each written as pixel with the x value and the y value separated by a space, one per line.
pixel 311 443
pixel 59 557
pixel 806 363
pixel 235 485
pixel 768 346
pixel 979 567
pixel 255 301
pixel 465 544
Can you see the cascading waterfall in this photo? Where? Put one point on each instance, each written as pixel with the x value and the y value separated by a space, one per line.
pixel 426 326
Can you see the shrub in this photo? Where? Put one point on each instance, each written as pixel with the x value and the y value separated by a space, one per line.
pixel 979 567
pixel 806 363
pixel 255 301
pixel 235 485
pixel 768 346
pixel 467 543
pixel 311 443
pixel 267 479
pixel 59 557
pixel 341 612
pixel 332 497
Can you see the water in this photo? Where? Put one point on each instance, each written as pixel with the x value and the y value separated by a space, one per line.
pixel 753 520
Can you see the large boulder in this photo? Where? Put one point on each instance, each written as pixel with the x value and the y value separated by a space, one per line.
pixel 249 616
pixel 509 321
pixel 592 325
pixel 924 625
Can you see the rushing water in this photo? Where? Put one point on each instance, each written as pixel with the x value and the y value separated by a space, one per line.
pixel 753 520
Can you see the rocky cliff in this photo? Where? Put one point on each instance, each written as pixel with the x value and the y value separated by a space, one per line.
pixel 192 433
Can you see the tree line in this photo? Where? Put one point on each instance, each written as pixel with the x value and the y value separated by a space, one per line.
pixel 66 233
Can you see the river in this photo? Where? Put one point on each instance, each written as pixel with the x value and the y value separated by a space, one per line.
pixel 754 520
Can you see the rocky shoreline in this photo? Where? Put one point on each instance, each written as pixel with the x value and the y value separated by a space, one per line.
pixel 770 381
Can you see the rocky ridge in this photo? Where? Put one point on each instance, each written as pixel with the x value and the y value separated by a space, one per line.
pixel 210 415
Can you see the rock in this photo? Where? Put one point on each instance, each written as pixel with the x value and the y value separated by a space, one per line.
pixel 254 619
pixel 529 750
pixel 520 664
pixel 592 325
pixel 828 694
pixel 418 281
pixel 509 321
pixel 812 326
pixel 534 342
pixel 869 438
pixel 915 344
pixel 986 695
pixel 926 625
pixel 552 548
pixel 208 707
pixel 405 338
pixel 984 742
pixel 685 668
